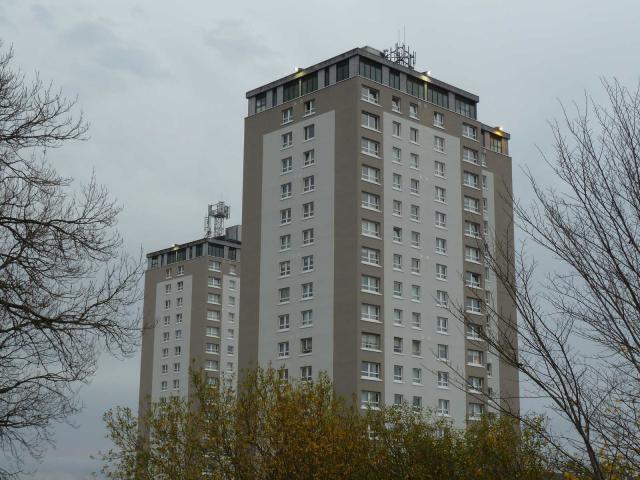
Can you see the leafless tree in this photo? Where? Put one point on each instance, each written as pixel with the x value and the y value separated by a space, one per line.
pixel 67 289
pixel 578 325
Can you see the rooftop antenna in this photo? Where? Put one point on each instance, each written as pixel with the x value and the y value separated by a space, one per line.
pixel 219 213
pixel 401 53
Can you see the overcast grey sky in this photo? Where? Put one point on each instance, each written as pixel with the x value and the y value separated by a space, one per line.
pixel 163 83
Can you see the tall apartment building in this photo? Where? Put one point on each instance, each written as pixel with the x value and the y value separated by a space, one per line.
pixel 190 315
pixel 367 188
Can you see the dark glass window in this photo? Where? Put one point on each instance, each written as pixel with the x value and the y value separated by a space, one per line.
pixel 199 250
pixel 439 96
pixel 310 83
pixel 181 255
pixel 154 261
pixel 232 253
pixel 415 87
pixel 394 79
pixel 171 257
pixel 371 70
pixel 261 102
pixel 290 91
pixel 326 76
pixel 342 70
pixel 495 144
pixel 274 97
pixel 465 107
pixel 216 250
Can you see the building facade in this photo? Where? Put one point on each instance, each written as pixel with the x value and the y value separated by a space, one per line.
pixel 190 315
pixel 368 189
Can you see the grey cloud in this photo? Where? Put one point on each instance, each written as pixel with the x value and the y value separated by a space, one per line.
pixel 131 60
pixel 236 43
pixel 43 16
pixel 88 34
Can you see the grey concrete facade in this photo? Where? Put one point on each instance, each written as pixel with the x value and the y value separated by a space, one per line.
pixel 361 316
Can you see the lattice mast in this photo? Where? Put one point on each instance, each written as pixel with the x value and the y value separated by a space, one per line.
pixel 218 213
pixel 401 54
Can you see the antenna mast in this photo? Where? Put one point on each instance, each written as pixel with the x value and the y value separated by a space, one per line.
pixel 219 213
pixel 401 54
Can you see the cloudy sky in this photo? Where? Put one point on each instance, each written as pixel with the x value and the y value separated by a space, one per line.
pixel 162 84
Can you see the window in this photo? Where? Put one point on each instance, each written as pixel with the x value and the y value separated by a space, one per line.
pixel 369 399
pixel 213 315
pixel 285 268
pixel 286 164
pixel 416 403
pixel 396 155
pixel 441 220
pixel 167 288
pixel 307 263
pixel 283 349
pixel 370 370
pixel 396 181
pixel 163 385
pixel 165 352
pixel 475 357
pixel 437 95
pixel 472 254
pixel 415 239
pixel 309 158
pixel 283 374
pixel 370 147
pixel 397 289
pixel 212 348
pixel 309 184
pixel 285 191
pixel 394 79
pixel 443 379
pixel 472 279
pixel 397 344
pixel 167 273
pixel 397 208
pixel 180 272
pixel 370 313
pixel 469 131
pixel 165 336
pixel 414 161
pixel 441 246
pixel 306 345
pixel 307 210
pixel 474 331
pixel 371 70
pixel 438 119
pixel 413 135
pixel 416 320
pixel 416 348
pixel 489 370
pixel 287 140
pixel 484 182
pixel 307 236
pixel 443 407
pixel 342 70
pixel 283 322
pixel 307 290
pixel 442 325
pixel 476 384
pixel 176 367
pixel 305 373
pixel 214 298
pixel 285 216
pixel 261 102
pixel 290 90
pixel 370 284
pixel 472 305
pixel 309 132
pixel 396 129
pixel 167 320
pixel 416 293
pixel 471 204
pixel 285 242
pixel 415 265
pixel 415 186
pixel 413 110
pixel 471 229
pixel 176 384
pixel 232 284
pixel 465 107
pixel 442 298
pixel 368 94
pixel 284 294
pixel 441 195
pixel 397 261
pixel 287 115
pixel 369 120
pixel 310 106
pixel 469 155
pixel 495 144
pixel 398 372
pixel 370 174
pixel 370 201
pixel 438 144
pixel 370 229
pixel 415 213
pixel 177 351
pixel 415 87
pixel 395 104
pixel 397 234
pixel 476 410
pixel 211 365
pixel 370 256
pixel 213 332
pixel 416 377
pixel 167 304
pixel 441 271
pixel 470 179
pixel 443 352
pixel 370 341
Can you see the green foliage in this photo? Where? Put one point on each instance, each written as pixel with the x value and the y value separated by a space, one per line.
pixel 282 430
